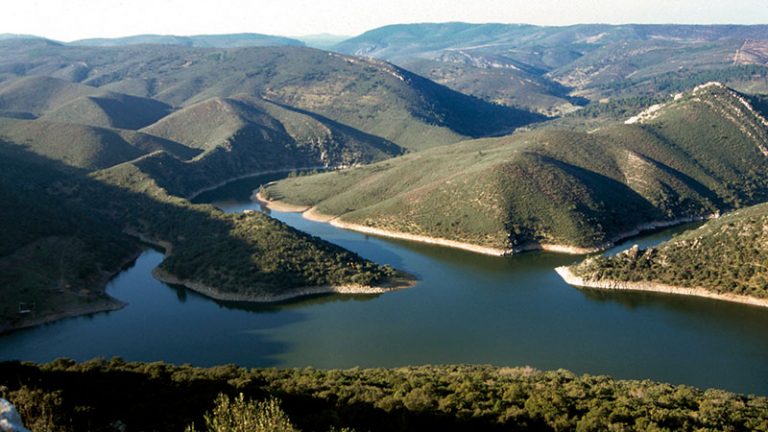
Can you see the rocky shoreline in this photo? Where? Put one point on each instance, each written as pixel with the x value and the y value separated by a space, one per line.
pixel 103 304
pixel 211 292
pixel 572 279
pixel 311 213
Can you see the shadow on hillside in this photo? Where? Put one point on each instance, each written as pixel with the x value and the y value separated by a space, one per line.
pixel 201 235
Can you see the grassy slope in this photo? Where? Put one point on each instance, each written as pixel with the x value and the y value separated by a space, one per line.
pixel 701 154
pixel 726 255
pixel 158 396
pixel 239 136
pixel 38 94
pixel 110 110
pixel 84 146
pixel 372 96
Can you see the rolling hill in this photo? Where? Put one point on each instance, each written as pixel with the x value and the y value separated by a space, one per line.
pixel 696 155
pixel 725 259
pixel 67 232
pixel 243 135
pixel 595 61
pixel 369 95
pixel 86 147
pixel 114 110
pixel 226 113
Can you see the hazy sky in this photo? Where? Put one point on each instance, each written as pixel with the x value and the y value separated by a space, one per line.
pixel 73 19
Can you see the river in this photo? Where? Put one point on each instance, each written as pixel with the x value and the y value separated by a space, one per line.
pixel 466 308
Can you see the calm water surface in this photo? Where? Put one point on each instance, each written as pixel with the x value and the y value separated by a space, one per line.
pixel 466 308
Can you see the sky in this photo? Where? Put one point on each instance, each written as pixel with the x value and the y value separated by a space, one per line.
pixel 67 20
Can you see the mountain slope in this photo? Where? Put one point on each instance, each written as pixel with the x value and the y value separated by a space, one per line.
pixel 725 257
pixel 86 147
pixel 243 135
pixel 65 236
pixel 372 96
pixel 572 191
pixel 38 94
pixel 112 110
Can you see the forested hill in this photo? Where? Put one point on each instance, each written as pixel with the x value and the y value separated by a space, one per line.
pixel 372 96
pixel 728 255
pixel 67 232
pixel 698 154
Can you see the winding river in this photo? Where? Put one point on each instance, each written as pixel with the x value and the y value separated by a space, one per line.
pixel 467 308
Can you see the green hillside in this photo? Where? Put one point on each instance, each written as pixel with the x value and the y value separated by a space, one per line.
pixel 113 110
pixel 725 256
pixel 86 147
pixel 38 94
pixel 64 395
pixel 242 135
pixel 56 254
pixel 65 236
pixel 372 96
pixel 699 154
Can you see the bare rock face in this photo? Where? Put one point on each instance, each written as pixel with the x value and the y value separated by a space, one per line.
pixel 10 420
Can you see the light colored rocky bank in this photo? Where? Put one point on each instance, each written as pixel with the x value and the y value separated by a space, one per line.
pixel 311 213
pixel 208 291
pixel 572 279
pixel 215 294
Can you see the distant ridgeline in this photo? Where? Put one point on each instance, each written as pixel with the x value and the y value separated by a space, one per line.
pixel 65 396
pixel 554 70
pixel 700 154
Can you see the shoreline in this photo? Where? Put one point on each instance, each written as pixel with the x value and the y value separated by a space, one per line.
pixel 162 275
pixel 311 213
pixel 200 288
pixel 571 279
pixel 105 304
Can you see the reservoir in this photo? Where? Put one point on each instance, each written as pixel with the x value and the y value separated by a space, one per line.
pixel 466 308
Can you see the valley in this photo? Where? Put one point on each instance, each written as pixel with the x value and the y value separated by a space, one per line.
pixel 591 197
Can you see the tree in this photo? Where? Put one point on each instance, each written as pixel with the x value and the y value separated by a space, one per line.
pixel 240 415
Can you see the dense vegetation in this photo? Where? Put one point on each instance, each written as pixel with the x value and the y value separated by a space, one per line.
pixel 98 395
pixel 56 253
pixel 726 255
pixel 64 237
pixel 699 154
